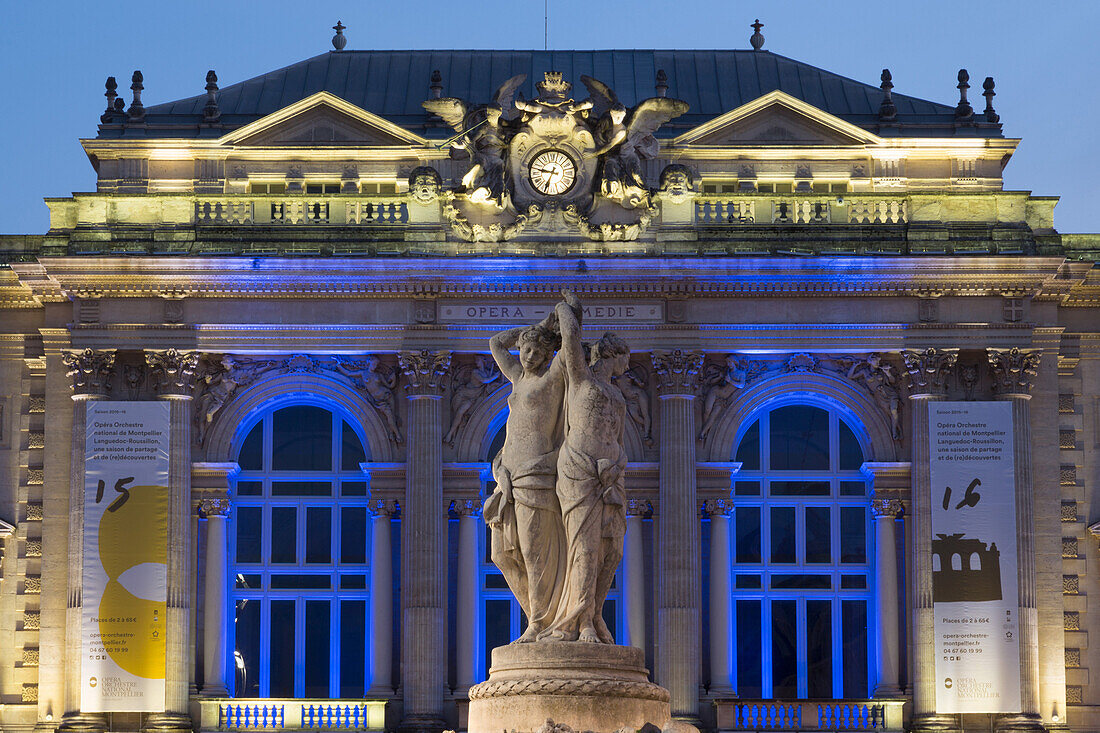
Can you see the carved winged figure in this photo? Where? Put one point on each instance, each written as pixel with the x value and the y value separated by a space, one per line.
pixel 377 382
pixel 484 136
pixel 469 385
pixel 626 137
pixel 721 384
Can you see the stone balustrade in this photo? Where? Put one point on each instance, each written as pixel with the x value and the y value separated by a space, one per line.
pixel 738 209
pixel 288 714
pixel 229 210
pixel 807 715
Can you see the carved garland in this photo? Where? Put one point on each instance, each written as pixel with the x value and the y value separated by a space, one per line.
pixel 591 688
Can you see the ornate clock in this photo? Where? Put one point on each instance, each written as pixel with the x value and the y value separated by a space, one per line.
pixel 552 172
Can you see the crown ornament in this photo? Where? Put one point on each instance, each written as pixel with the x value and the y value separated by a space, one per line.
pixel 553 86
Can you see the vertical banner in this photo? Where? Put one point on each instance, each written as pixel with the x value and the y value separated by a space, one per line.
pixel 974 558
pixel 125 557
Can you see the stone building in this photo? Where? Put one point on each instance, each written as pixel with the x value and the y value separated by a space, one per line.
pixel 307 266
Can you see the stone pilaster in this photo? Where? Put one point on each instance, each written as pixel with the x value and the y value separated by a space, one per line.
pixel 927 372
pixel 215 648
pixel 887 512
pixel 678 549
pixel 1013 373
pixel 423 544
pixel 381 599
pixel 173 374
pixel 720 596
pixel 91 373
pixel 468 510
pixel 634 577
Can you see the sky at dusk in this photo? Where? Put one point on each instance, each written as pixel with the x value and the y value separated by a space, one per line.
pixel 56 55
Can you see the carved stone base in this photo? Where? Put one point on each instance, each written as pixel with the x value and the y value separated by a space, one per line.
pixel 1019 722
pixel 167 723
pixel 588 687
pixel 83 723
pixel 933 723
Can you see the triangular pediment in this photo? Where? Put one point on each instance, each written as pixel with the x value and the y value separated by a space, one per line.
pixel 777 119
pixel 322 119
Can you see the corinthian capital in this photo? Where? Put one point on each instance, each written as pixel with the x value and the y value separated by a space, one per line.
pixel 173 371
pixel 90 370
pixel 214 507
pixel 424 370
pixel 928 370
pixel 886 507
pixel 1013 369
pixel 677 371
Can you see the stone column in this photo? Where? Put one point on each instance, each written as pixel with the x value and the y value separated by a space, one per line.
pixel 468 511
pixel 634 577
pixel 91 373
pixel 678 550
pixel 886 513
pixel 1013 373
pixel 927 372
pixel 423 545
pixel 381 600
pixel 720 596
pixel 215 649
pixel 173 373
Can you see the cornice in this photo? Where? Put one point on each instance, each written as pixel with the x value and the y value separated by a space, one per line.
pixel 60 278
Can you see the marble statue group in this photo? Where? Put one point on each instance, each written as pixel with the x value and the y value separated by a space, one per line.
pixel 557 515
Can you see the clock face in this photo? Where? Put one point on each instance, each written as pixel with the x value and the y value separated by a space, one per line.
pixel 553 172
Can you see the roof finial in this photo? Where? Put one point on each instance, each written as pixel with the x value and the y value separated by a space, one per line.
pixel 211 113
pixel 756 40
pixel 436 87
pixel 887 112
pixel 339 41
pixel 137 109
pixel 963 112
pixel 990 115
pixel 662 83
pixel 110 94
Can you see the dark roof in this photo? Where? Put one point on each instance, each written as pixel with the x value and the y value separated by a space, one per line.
pixel 392 84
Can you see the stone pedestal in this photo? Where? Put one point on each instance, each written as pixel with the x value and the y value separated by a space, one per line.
pixel 589 687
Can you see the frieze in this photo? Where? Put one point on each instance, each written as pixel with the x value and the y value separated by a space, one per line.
pixel 504 312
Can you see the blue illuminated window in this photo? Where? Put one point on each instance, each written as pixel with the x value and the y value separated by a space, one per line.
pixel 800 536
pixel 300 544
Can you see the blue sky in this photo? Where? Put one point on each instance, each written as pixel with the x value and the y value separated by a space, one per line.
pixel 56 56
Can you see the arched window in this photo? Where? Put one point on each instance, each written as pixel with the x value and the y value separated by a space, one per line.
pixel 802 572
pixel 501 617
pixel 300 548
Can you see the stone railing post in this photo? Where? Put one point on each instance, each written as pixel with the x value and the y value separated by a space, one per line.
pixel 91 373
pixel 468 510
pixel 720 596
pixel 634 580
pixel 890 482
pixel 173 376
pixel 927 372
pixel 381 599
pixel 679 576
pixel 423 544
pixel 1014 371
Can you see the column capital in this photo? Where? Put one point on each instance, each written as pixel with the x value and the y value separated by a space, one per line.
pixel 214 507
pixel 927 371
pixel 90 370
pixel 887 508
pixel 466 507
pixel 717 507
pixel 1014 370
pixel 173 371
pixel 677 371
pixel 638 507
pixel 424 371
pixel 383 507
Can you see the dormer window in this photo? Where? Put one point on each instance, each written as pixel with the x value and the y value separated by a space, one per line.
pixel 322 188
pixel 267 188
